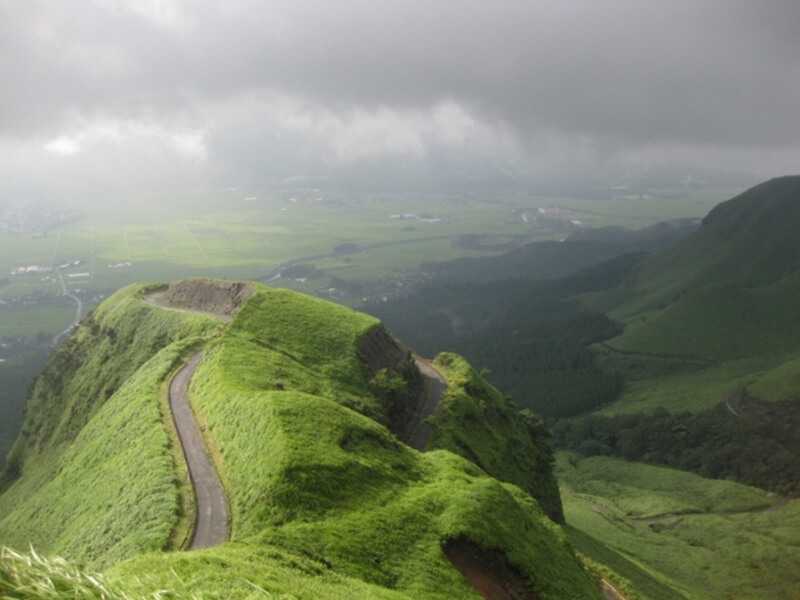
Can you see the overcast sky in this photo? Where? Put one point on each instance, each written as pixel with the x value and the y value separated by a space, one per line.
pixel 106 95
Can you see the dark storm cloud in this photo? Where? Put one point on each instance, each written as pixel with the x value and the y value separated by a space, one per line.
pixel 619 77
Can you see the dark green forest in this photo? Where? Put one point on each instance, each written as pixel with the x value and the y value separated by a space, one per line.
pixel 16 374
pixel 759 450
pixel 529 337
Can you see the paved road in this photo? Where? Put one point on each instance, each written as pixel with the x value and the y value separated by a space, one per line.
pixel 435 385
pixel 78 309
pixel 211 528
pixel 609 591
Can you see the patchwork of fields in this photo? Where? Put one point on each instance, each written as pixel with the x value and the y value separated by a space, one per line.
pixel 226 235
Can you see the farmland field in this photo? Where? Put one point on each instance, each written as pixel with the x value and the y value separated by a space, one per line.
pixel 229 235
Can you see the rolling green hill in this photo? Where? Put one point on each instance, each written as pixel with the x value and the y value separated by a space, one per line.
pixel 297 398
pixel 749 240
pixel 721 321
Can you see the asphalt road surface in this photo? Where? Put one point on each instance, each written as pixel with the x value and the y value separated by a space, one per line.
pixel 211 528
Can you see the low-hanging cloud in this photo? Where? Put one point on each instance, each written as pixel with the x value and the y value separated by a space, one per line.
pixel 208 82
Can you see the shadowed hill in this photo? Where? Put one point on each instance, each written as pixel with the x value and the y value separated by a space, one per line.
pixel 551 259
pixel 727 291
pixel 750 240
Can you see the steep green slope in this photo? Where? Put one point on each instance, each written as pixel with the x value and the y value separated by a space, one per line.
pixel 721 321
pixel 479 423
pixel 750 240
pixel 108 348
pixel 91 476
pixel 326 501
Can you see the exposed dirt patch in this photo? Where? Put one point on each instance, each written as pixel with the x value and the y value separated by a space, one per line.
pixel 488 572
pixel 379 350
pixel 206 295
pixel 435 386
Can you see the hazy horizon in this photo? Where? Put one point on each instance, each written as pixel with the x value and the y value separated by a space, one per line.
pixel 104 98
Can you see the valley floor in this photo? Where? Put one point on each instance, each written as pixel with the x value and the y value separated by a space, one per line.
pixel 672 534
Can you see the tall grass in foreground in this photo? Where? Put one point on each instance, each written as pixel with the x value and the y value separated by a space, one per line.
pixel 33 577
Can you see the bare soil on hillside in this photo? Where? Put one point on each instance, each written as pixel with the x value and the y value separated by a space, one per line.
pixel 488 572
pixel 218 299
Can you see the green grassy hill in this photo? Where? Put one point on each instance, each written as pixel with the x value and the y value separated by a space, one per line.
pixel 326 501
pixel 91 476
pixel 721 321
pixel 750 240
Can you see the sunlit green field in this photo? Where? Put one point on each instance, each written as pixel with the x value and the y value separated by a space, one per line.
pixel 224 234
pixel 658 527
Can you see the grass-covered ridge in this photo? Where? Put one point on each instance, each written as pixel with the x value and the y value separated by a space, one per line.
pixel 92 477
pixel 109 346
pixel 326 502
pixel 749 240
pixel 315 478
pixel 476 421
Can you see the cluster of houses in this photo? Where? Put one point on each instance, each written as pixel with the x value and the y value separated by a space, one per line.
pixel 36 221
pixel 38 269
pixel 31 269
pixel 412 216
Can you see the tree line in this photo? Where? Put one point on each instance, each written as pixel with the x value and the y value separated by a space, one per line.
pixel 761 451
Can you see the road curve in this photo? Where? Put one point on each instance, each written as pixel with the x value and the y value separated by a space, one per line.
pixel 211 527
pixel 609 591
pixel 78 310
pixel 435 385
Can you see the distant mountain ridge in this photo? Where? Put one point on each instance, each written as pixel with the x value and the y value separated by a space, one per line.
pixel 750 240
pixel 553 259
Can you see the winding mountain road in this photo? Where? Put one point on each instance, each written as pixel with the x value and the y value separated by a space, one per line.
pixel 211 528
pixel 78 309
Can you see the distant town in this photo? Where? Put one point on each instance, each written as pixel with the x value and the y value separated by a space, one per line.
pixel 35 220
